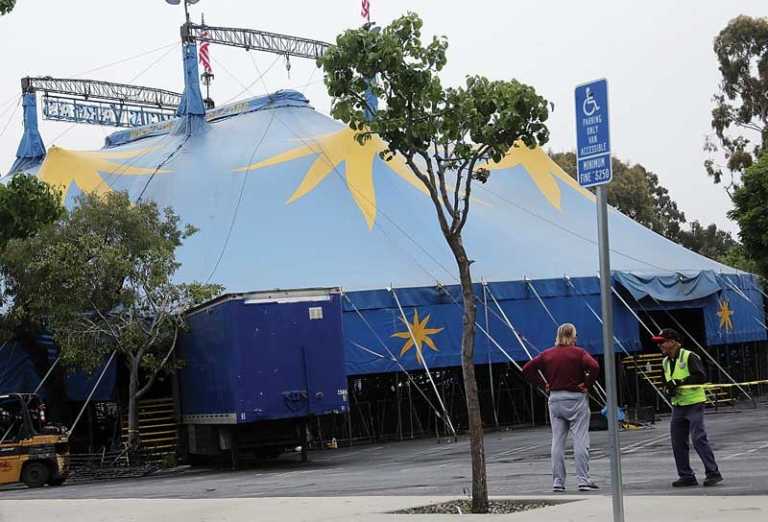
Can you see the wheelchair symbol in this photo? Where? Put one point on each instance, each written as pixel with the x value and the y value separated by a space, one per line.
pixel 590 104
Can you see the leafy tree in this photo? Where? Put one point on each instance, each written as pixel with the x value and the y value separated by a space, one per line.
pixel 741 104
pixel 708 241
pixel 101 278
pixel 6 6
pixel 26 206
pixel 445 135
pixel 737 257
pixel 750 211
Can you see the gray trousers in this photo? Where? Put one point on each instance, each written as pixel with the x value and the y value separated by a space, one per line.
pixel 688 422
pixel 569 411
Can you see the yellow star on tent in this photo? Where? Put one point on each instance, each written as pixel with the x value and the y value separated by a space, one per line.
pixel 333 149
pixel 725 314
pixel 542 170
pixel 421 335
pixel 62 167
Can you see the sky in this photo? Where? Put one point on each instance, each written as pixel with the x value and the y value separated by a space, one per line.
pixel 656 54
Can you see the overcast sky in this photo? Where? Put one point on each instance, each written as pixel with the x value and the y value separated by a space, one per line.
pixel 656 54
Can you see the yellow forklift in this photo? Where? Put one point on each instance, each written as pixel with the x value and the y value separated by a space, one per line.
pixel 31 450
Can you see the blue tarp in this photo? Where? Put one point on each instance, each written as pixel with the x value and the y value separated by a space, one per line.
pixel 736 313
pixel 375 342
pixel 375 334
pixel 670 288
pixel 31 149
pixel 18 374
pixel 279 99
pixel 17 371
pixel 731 304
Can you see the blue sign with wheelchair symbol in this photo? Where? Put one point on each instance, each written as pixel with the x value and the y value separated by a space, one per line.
pixel 593 142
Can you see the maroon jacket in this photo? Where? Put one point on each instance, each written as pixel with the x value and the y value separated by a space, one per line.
pixel 564 367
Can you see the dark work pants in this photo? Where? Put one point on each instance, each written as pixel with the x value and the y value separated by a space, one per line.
pixel 689 420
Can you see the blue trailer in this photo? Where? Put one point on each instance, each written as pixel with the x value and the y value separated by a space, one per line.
pixel 257 367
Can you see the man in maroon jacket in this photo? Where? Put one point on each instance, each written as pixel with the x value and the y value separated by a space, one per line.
pixel 566 372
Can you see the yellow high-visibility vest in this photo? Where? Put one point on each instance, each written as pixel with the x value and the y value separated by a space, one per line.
pixel 688 395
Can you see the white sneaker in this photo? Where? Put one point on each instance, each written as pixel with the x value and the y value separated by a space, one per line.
pixel 558 489
pixel 589 486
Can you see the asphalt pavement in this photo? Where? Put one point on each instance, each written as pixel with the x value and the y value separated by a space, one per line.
pixel 517 462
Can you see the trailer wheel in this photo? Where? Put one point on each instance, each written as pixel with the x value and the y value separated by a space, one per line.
pixel 35 474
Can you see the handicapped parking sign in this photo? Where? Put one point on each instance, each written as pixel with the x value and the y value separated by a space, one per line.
pixel 593 143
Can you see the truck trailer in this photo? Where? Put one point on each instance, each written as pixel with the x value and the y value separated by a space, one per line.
pixel 257 367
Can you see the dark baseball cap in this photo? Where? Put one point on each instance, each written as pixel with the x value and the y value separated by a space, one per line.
pixel 667 334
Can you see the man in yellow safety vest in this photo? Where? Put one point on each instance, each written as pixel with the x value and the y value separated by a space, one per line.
pixel 682 369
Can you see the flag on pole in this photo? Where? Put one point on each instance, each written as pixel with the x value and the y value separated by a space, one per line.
pixel 205 57
pixel 365 12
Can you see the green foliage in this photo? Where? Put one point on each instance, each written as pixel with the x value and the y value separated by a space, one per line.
pixel 6 6
pixel 446 135
pixel 737 257
pixel 708 241
pixel 436 129
pixel 26 205
pixel 750 211
pixel 100 280
pixel 740 103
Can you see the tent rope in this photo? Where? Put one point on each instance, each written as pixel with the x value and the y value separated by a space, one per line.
pixel 514 330
pixel 710 356
pixel 599 390
pixel 423 361
pixel 392 356
pixel 618 342
pixel 490 337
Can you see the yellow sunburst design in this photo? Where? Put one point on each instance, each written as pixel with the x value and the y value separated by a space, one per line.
pixel 421 335
pixel 333 149
pixel 62 167
pixel 542 170
pixel 725 313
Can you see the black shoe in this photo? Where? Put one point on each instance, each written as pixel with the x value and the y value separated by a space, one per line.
pixel 713 480
pixel 685 483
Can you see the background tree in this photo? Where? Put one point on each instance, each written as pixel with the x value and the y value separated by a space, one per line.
pixel 750 211
pixel 27 205
pixel 740 114
pixel 101 279
pixel 445 135
pixel 737 257
pixel 708 241
pixel 6 6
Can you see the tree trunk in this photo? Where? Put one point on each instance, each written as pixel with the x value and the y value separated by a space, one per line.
pixel 477 449
pixel 133 388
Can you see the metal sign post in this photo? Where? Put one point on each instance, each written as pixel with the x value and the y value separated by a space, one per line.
pixel 593 158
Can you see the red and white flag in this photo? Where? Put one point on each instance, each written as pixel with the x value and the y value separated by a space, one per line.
pixel 365 11
pixel 205 57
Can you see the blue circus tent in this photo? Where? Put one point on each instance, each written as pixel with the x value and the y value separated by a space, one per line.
pixel 19 373
pixel 283 197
